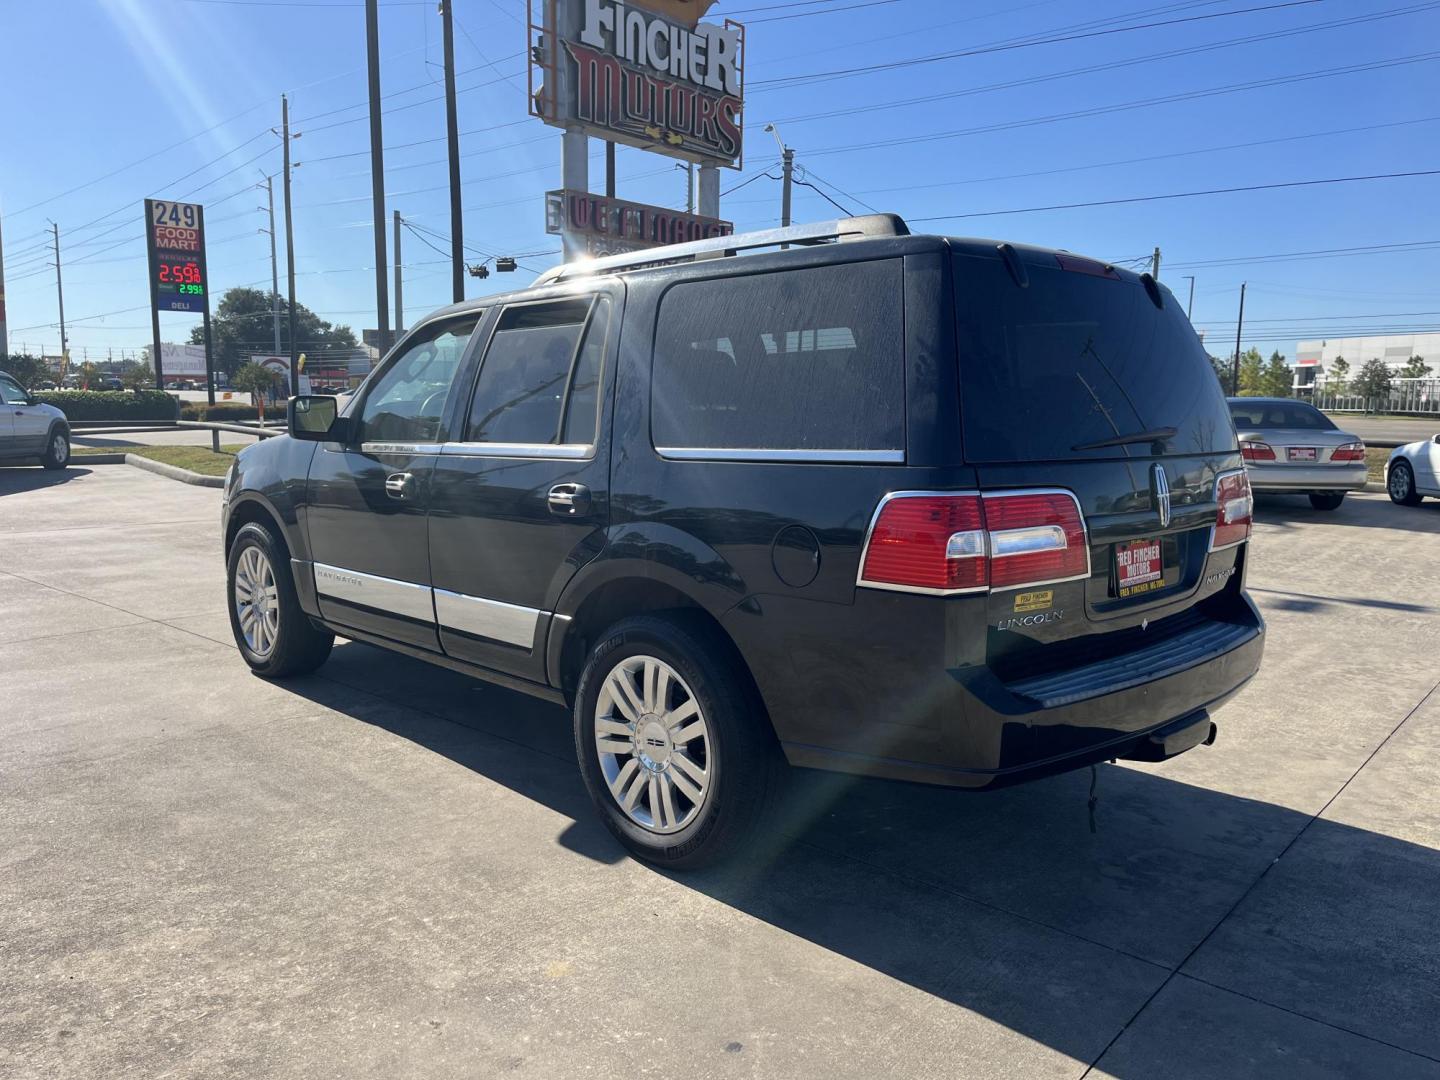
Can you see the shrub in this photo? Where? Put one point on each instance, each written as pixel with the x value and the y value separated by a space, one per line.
pixel 111 404
pixel 228 411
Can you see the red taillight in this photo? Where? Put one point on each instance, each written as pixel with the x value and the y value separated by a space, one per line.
pixel 952 543
pixel 1256 451
pixel 1353 451
pixel 1034 537
pixel 1236 511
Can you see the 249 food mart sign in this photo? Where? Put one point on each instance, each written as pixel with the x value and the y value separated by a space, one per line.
pixel 646 73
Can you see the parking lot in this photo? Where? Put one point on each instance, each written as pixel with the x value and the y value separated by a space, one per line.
pixel 386 869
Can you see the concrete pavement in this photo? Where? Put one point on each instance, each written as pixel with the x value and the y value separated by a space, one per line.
pixel 386 869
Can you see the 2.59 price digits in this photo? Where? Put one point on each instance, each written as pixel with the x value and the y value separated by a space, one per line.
pixel 188 273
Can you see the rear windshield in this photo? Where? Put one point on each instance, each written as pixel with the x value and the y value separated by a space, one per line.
pixel 1076 358
pixel 1249 415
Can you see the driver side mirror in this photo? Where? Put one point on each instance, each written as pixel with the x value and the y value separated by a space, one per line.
pixel 316 418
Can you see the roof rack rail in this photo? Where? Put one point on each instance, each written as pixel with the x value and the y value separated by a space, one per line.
pixel 862 227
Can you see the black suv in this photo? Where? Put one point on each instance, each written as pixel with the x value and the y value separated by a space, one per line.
pixel 942 510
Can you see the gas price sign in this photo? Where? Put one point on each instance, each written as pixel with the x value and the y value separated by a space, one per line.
pixel 175 235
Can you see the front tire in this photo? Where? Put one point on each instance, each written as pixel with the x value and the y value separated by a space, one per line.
pixel 674 747
pixel 1400 484
pixel 274 636
pixel 1327 500
pixel 57 449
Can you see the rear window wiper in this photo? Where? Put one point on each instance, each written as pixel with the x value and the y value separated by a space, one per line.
pixel 1159 434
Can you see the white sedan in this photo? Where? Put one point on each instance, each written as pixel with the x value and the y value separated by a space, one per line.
pixel 1413 472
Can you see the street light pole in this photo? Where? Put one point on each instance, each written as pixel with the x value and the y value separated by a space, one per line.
pixel 289 247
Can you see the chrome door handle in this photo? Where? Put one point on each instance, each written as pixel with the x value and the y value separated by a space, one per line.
pixel 569 500
pixel 399 485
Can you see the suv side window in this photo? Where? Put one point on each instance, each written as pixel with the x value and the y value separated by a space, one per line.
pixel 10 392
pixel 408 399
pixel 801 360
pixel 539 383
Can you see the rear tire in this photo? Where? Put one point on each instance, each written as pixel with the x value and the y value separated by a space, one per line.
pixel 274 635
pixel 682 767
pixel 1327 500
pixel 57 449
pixel 1400 484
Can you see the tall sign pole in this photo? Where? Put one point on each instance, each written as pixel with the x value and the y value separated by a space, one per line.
pixel 377 173
pixel 452 133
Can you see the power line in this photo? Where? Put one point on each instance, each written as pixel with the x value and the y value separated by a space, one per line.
pixel 1113 65
pixel 845 73
pixel 1182 195
pixel 1102 110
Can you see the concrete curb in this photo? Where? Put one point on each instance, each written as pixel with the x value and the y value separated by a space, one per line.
pixel 174 472
pixel 97 459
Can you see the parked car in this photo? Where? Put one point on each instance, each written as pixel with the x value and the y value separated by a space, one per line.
pixel 1413 471
pixel 110 382
pixel 1291 447
pixel 905 506
pixel 30 428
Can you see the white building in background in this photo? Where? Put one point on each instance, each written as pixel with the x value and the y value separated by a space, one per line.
pixel 1394 349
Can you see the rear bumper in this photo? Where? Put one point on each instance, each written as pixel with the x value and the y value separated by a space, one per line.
pixel 1148 705
pixel 1293 478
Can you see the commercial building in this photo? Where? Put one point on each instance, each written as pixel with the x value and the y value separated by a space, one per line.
pixel 1394 349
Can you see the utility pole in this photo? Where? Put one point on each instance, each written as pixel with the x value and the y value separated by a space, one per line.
pixel 1190 306
pixel 290 246
pixel 60 296
pixel 4 337
pixel 689 170
pixel 377 172
pixel 399 292
pixel 274 264
pixel 1240 322
pixel 1155 265
pixel 452 133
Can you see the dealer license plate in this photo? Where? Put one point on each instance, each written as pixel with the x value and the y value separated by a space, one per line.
pixel 1138 568
pixel 1301 453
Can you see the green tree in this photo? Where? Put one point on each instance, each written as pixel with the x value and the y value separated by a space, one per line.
pixel 1222 372
pixel 138 377
pixel 1337 377
pixel 1373 380
pixel 242 325
pixel 29 371
pixel 255 380
pixel 1415 368
pixel 1277 380
pixel 1252 373
pixel 88 374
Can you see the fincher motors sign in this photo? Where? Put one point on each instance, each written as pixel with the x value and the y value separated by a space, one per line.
pixel 636 76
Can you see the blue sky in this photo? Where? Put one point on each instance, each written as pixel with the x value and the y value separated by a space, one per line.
pixel 93 86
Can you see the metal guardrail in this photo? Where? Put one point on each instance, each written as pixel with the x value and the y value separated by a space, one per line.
pixel 220 425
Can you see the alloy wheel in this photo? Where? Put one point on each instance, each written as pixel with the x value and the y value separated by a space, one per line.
pixel 1399 482
pixel 257 601
pixel 653 744
pixel 60 449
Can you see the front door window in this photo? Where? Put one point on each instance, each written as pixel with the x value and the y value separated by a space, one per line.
pixel 408 399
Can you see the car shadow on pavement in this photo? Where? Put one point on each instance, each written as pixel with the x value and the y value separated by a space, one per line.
pixel 1007 903
pixel 18 478
pixel 1294 511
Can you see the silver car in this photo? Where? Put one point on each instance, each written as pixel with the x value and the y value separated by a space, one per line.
pixel 30 428
pixel 1293 448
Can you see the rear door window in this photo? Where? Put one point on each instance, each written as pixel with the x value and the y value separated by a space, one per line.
pixel 1280 414
pixel 803 360
pixel 1077 358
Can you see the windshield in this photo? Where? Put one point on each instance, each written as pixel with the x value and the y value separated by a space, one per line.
pixel 1279 414
pixel 1076 359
